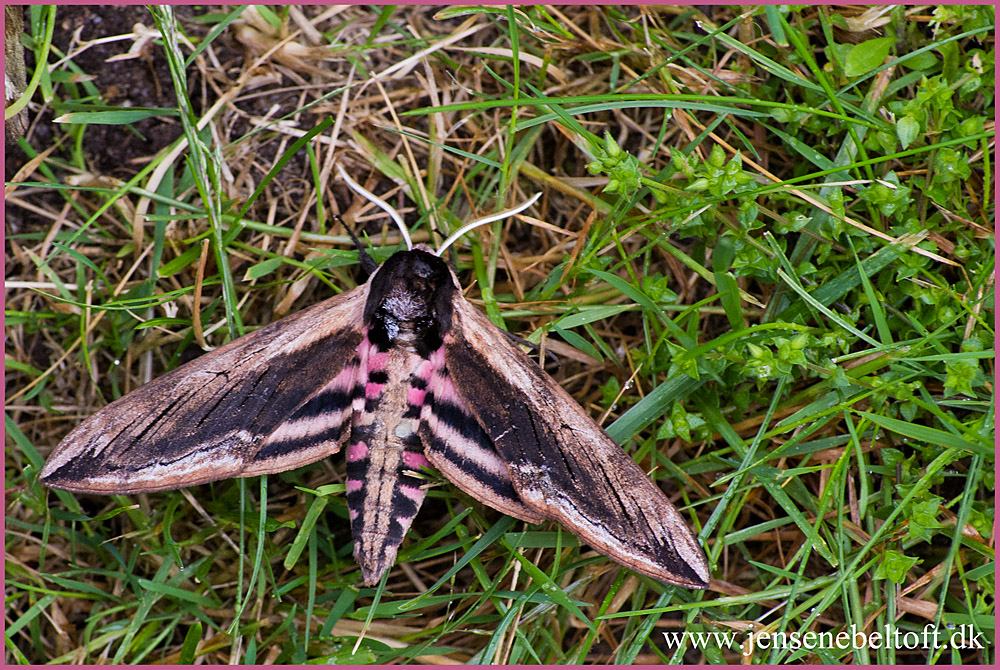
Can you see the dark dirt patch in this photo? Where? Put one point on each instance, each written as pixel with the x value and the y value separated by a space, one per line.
pixel 136 82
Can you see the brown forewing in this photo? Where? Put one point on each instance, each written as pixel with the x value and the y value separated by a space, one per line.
pixel 562 464
pixel 208 419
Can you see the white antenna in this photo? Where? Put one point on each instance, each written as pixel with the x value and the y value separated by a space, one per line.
pixel 489 219
pixel 371 197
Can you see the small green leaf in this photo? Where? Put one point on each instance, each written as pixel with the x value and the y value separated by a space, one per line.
pixel 346 655
pixel 162 322
pixel 110 514
pixel 263 268
pixel 867 56
pixel 894 566
pixel 552 590
pixel 190 647
pixel 591 314
pixel 541 540
pixel 923 61
pixel 906 130
pixel 317 507
pixel 114 117
pixel 177 264
pixel 176 593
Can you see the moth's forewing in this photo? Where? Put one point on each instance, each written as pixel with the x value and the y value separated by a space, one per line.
pixel 267 402
pixel 561 463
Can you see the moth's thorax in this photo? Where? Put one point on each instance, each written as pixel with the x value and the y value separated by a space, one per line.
pixel 409 302
pixel 405 316
pixel 404 305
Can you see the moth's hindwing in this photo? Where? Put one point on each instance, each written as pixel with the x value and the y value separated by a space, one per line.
pixel 267 402
pixel 561 463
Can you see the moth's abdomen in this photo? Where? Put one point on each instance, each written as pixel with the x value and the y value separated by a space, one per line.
pixel 384 448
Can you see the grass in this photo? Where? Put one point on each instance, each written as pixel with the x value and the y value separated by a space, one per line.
pixel 763 258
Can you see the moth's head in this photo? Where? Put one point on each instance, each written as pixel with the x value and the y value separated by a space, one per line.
pixel 411 294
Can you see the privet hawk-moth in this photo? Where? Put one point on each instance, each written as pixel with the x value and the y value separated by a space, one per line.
pixel 408 374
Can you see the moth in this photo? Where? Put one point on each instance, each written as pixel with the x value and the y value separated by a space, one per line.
pixel 408 374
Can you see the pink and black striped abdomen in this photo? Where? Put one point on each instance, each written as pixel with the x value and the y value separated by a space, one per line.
pixel 383 449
